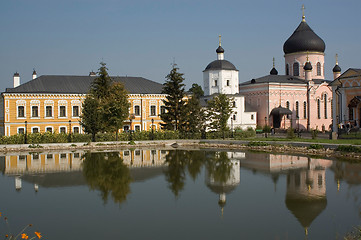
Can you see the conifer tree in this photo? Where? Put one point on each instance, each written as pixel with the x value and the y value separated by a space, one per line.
pixel 173 118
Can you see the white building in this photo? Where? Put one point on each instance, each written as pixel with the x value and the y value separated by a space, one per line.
pixel 221 77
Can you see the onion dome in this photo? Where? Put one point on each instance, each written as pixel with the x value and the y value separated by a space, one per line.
pixel 304 39
pixel 308 66
pixel 273 70
pixel 220 65
pixel 336 68
pixel 220 50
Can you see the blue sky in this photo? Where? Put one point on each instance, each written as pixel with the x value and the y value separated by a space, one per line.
pixel 142 37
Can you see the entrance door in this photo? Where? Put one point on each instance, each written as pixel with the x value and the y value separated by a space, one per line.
pixel 276 120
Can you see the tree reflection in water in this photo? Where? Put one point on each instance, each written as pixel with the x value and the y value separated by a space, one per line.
pixel 219 167
pixel 175 173
pixel 107 173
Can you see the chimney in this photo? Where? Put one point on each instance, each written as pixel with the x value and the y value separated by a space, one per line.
pixel 92 74
pixel 34 74
pixel 16 79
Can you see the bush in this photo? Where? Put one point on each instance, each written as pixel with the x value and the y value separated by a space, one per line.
pixel 267 129
pixel 291 133
pixel 316 146
pixel 348 148
pixel 257 144
pixel 314 133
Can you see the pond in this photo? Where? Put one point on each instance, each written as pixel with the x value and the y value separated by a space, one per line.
pixel 178 194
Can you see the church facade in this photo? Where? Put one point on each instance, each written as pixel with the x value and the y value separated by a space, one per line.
pixel 221 77
pixel 302 98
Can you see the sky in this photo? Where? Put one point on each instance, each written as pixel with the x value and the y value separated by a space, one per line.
pixel 144 37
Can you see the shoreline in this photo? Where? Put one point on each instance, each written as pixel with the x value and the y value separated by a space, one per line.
pixel 280 147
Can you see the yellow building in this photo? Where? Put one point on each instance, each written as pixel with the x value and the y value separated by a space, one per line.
pixel 53 103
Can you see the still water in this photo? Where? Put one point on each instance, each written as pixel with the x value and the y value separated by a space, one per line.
pixel 177 194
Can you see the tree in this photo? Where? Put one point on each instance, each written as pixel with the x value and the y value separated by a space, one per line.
pixel 194 115
pixel 173 117
pixel 219 111
pixel 196 90
pixel 106 106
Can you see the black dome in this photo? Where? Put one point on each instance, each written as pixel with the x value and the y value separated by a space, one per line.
pixel 220 65
pixel 308 66
pixel 274 71
pixel 304 39
pixel 336 68
pixel 220 50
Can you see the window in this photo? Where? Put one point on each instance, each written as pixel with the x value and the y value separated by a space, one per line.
pixel 21 111
pixel 350 113
pixel 49 156
pixel 21 130
pixel 288 104
pixel 48 111
pixel 320 181
pixel 62 111
pixel 325 105
pixel 234 117
pixel 22 157
pixel 35 111
pixel 304 110
pixel 126 153
pixel 296 69
pixel 162 109
pixel 76 155
pixel 137 152
pixel 137 110
pixel 35 156
pixel 318 69
pixel 252 117
pixel 62 130
pixel 234 104
pixel 227 82
pixel 76 130
pixel 126 128
pixel 152 111
pixel 63 155
pixel 49 129
pixel 75 111
pixel 297 110
pixel 318 108
pixel 215 83
pixel 137 128
pixel 35 130
pixel 287 69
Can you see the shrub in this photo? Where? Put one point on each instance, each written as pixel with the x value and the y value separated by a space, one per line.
pixel 316 146
pixel 314 133
pixel 256 144
pixel 291 133
pixel 348 148
pixel 267 129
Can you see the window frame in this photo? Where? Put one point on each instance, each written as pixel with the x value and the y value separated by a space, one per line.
pixel 60 111
pixel 23 115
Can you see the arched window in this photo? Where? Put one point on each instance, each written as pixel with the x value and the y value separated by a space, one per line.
pixel 318 108
pixel 296 69
pixel 319 69
pixel 288 104
pixel 287 69
pixel 304 110
pixel 325 104
pixel 297 110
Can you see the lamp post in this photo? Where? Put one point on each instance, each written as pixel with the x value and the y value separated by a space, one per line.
pixel 26 133
pixel 232 126
pixel 152 129
pixel 131 117
pixel 265 127
pixel 69 136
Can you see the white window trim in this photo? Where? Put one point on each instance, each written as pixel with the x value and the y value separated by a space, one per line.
pixel 72 111
pixel 140 127
pixel 52 129
pixel 66 129
pixel 76 127
pixel 140 110
pixel 31 111
pixel 17 130
pixel 17 111
pixel 150 111
pixel 35 127
pixel 66 111
pixel 52 111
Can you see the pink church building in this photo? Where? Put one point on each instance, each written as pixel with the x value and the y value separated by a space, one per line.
pixel 301 98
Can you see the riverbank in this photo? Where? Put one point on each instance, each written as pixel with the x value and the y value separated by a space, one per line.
pixel 327 150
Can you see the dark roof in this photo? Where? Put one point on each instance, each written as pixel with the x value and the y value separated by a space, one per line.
pixel 220 65
pixel 336 68
pixel 81 85
pixel 220 50
pixel 273 71
pixel 304 39
pixel 280 111
pixel 308 66
pixel 281 79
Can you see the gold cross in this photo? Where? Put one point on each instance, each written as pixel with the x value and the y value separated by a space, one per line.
pixel 303 13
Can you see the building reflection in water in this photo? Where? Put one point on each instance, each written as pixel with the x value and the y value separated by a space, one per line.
pixel 306 182
pixel 61 169
pixel 223 174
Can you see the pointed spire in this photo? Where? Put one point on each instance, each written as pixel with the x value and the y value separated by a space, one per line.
pixel 336 57
pixel 303 13
pixel 274 70
pixel 273 62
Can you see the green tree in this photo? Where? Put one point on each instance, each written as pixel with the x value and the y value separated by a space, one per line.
pixel 175 173
pixel 194 115
pixel 173 118
pixel 196 90
pixel 219 110
pixel 106 106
